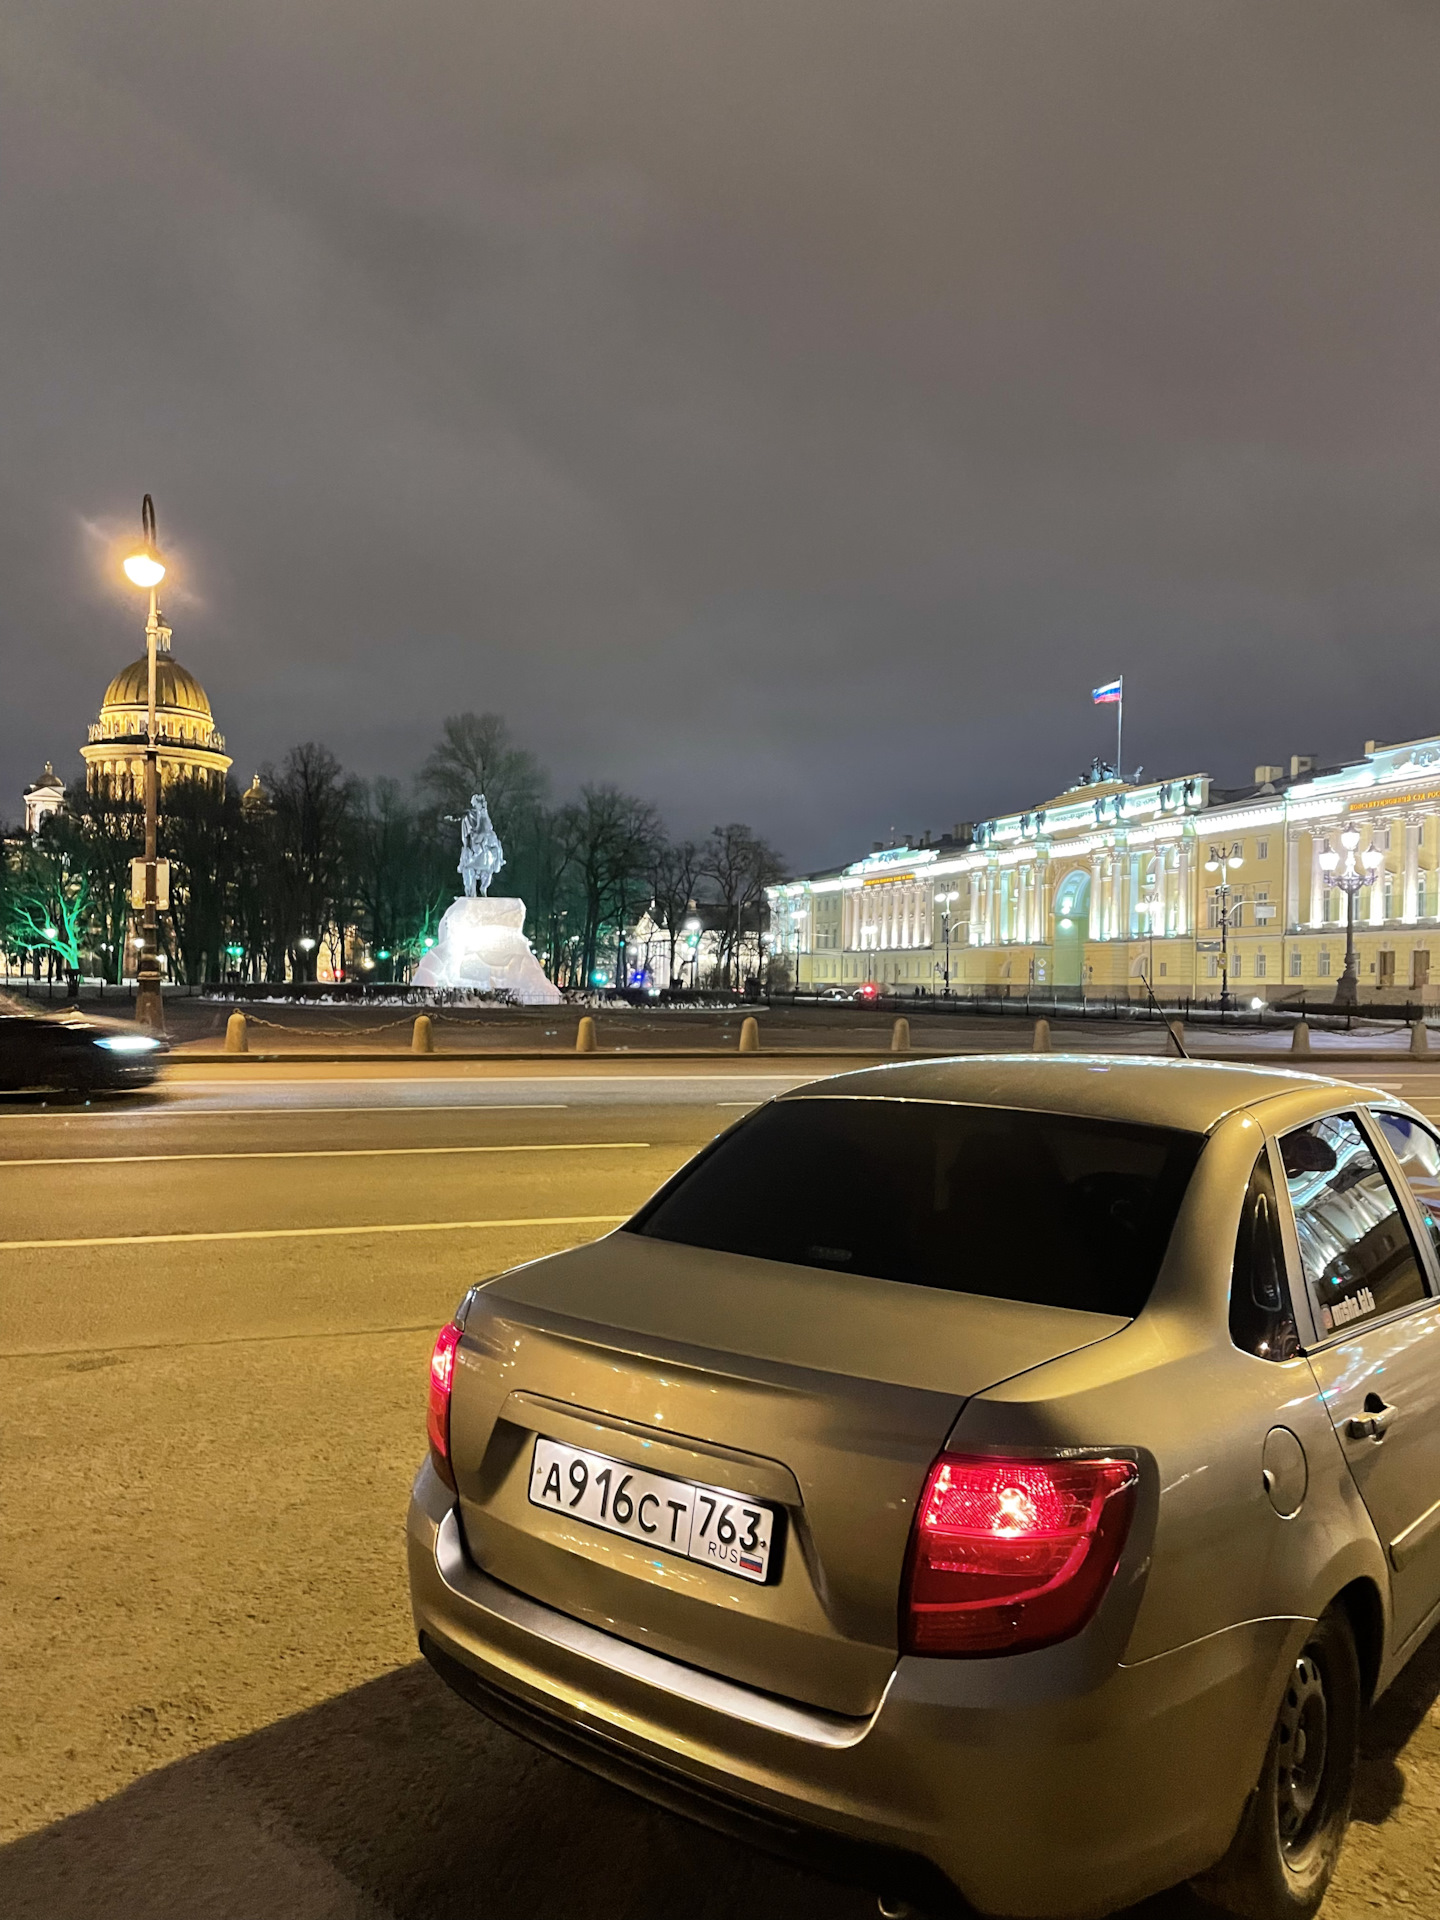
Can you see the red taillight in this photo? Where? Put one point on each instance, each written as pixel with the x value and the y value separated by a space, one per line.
pixel 1012 1554
pixel 437 1419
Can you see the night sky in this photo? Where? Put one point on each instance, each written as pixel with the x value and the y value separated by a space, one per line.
pixel 788 409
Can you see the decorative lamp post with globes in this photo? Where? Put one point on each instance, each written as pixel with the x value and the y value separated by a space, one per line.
pixel 1224 866
pixel 1350 878
pixel 145 569
pixel 945 902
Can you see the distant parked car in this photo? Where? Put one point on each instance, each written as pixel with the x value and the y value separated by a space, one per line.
pixel 73 1051
pixel 868 992
pixel 1013 1475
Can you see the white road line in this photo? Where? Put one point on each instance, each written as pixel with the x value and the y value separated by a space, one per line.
pixel 320 1153
pixel 315 1233
pixel 179 1112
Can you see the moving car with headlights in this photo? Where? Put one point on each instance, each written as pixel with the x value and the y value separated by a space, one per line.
pixel 77 1052
pixel 1007 1475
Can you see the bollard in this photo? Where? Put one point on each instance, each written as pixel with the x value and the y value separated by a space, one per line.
pixel 1041 1041
pixel 237 1039
pixel 422 1040
pixel 749 1034
pixel 900 1036
pixel 585 1035
pixel 1300 1037
pixel 1420 1041
pixel 1175 1034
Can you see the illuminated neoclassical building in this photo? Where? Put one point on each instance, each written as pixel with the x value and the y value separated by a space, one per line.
pixel 1111 882
pixel 188 744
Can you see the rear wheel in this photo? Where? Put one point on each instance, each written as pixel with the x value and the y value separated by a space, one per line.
pixel 1282 1859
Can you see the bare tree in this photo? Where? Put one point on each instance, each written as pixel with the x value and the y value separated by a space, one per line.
pixel 610 839
pixel 677 873
pixel 741 865
pixel 475 754
pixel 312 803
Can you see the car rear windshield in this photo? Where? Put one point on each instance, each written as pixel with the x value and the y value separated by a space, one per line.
pixel 1051 1208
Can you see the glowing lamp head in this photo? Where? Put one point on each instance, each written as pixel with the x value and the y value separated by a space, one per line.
pixel 144 569
pixel 1212 866
pixel 1257 1005
pixel 1372 859
pixel 1350 839
pixel 1329 860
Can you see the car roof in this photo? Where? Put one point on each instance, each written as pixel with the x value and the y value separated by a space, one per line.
pixel 1190 1094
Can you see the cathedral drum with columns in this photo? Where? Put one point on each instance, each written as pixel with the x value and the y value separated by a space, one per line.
pixel 1113 882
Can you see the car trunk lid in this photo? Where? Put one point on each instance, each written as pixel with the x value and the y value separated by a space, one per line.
pixel 825 1395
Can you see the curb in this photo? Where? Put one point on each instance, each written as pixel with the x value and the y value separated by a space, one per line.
pixel 1319 1060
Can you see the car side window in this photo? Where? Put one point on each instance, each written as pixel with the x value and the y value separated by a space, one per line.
pixel 1261 1319
pixel 1359 1259
pixel 1418 1152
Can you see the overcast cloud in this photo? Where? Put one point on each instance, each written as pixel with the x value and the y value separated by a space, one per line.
pixel 789 409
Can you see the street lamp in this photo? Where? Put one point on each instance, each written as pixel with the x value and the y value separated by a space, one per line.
pixel 1224 866
pixel 1350 879
pixel 945 901
pixel 146 569
pixel 1151 905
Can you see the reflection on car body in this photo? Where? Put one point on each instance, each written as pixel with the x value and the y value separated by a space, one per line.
pixel 1097 1404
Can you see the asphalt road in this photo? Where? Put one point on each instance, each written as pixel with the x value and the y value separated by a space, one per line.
pixel 215 1311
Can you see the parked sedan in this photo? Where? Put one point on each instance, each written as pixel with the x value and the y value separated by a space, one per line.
pixel 1009 1476
pixel 74 1051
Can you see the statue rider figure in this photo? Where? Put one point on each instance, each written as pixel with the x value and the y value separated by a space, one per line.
pixel 481 855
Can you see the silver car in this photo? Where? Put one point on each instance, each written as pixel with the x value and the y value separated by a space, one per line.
pixel 1010 1476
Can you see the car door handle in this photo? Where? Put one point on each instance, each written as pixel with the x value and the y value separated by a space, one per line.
pixel 1370 1425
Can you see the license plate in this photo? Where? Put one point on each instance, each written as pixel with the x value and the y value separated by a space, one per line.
pixel 708 1524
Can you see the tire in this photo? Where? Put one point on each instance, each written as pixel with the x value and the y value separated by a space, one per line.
pixel 1281 1860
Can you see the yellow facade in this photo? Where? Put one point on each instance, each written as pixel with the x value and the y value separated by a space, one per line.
pixel 1111 883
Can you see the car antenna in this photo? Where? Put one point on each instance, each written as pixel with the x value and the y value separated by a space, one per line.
pixel 1170 1026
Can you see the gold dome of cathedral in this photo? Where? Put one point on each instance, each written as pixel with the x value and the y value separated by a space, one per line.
pixel 188 745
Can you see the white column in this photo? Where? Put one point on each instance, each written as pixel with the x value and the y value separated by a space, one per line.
pixel 1290 906
pixel 1410 906
pixel 1042 900
pixel 1317 882
pixel 1377 887
pixel 1184 881
pixel 1097 896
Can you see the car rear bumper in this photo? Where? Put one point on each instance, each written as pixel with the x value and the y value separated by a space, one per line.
pixel 1004 1779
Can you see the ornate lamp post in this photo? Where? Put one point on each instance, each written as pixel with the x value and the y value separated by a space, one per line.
pixel 146 569
pixel 945 901
pixel 1223 867
pixel 1350 879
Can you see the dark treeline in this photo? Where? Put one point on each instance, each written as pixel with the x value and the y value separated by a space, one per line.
pixel 312 861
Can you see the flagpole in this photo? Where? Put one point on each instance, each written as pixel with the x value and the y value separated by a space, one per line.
pixel 1120 732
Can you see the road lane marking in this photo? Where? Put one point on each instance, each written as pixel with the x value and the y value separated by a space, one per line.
pixel 320 1153
pixel 314 1233
pixel 182 1112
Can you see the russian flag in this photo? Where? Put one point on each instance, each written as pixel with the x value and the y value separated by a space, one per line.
pixel 1110 694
